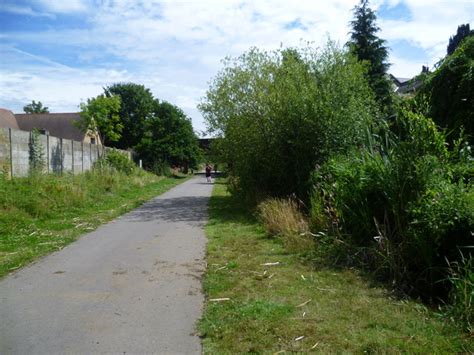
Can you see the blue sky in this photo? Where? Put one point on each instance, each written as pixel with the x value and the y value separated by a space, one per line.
pixel 62 52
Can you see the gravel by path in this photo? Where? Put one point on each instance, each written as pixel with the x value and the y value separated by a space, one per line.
pixel 131 286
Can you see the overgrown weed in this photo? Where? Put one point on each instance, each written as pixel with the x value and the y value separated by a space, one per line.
pixel 461 305
pixel 283 218
pixel 400 207
pixel 43 213
pixel 274 301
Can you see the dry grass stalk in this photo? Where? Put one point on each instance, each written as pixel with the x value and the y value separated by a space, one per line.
pixel 282 217
pixel 219 299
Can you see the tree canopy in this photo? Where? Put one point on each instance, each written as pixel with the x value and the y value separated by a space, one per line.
pixel 35 107
pixel 454 41
pixel 281 113
pixel 371 49
pixel 136 109
pixel 169 138
pixel 127 116
pixel 450 91
pixel 100 115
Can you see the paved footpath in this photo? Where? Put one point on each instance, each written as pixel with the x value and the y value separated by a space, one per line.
pixel 131 286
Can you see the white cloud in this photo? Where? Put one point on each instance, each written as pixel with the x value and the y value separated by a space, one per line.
pixel 65 6
pixel 431 24
pixel 406 68
pixel 23 10
pixel 175 47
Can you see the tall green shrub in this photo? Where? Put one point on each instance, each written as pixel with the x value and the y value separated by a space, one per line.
pixel 120 162
pixel 450 91
pixel 399 205
pixel 280 113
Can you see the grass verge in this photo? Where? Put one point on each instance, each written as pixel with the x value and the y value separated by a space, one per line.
pixel 289 305
pixel 42 214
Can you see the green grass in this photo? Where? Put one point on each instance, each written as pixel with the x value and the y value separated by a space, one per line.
pixel 268 310
pixel 42 214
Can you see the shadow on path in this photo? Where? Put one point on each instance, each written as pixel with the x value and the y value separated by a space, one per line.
pixel 178 209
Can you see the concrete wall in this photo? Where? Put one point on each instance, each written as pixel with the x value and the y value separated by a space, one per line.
pixel 5 151
pixel 77 157
pixel 19 145
pixel 60 155
pixel 67 155
pixel 55 155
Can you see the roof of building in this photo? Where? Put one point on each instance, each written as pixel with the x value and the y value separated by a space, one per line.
pixel 402 80
pixel 406 85
pixel 7 119
pixel 57 124
pixel 399 81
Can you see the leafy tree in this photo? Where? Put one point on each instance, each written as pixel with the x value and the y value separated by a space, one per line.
pixel 369 48
pixel 136 109
pixel 450 91
pixel 169 139
pixel 280 114
pixel 454 41
pixel 100 115
pixel 35 107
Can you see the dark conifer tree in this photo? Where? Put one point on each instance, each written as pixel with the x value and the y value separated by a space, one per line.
pixel 365 44
pixel 462 32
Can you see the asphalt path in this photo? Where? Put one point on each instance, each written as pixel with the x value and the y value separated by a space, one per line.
pixel 131 286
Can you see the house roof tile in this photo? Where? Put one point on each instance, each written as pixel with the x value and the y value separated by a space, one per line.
pixel 57 124
pixel 7 119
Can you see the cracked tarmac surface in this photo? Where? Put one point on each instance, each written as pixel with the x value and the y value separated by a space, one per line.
pixel 131 286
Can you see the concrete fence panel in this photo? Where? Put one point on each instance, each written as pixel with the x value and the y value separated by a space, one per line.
pixel 20 152
pixel 60 155
pixel 55 155
pixel 86 153
pixel 67 155
pixel 43 141
pixel 5 151
pixel 77 166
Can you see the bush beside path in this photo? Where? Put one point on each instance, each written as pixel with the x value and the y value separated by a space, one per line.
pixel 262 298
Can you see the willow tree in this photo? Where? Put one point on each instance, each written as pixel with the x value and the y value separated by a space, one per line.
pixel 281 113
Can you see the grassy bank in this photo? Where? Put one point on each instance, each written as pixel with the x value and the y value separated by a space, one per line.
pixel 261 298
pixel 42 214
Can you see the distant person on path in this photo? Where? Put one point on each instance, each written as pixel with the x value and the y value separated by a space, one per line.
pixel 208 173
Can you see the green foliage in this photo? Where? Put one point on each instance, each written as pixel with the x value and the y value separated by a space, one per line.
pixel 450 91
pixel 136 108
pixel 280 113
pixel 35 107
pixel 398 204
pixel 100 115
pixel 463 31
pixel 169 139
pixel 37 160
pixel 120 162
pixel 369 48
pixel 461 305
pixel 271 306
pixel 43 213
pixel 159 132
pixel 160 168
pixel 283 218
